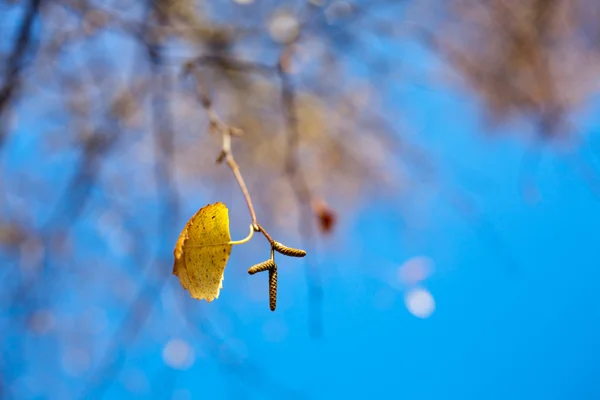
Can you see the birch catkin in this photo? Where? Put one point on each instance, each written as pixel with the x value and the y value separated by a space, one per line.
pixel 273 288
pixel 260 267
pixel 288 251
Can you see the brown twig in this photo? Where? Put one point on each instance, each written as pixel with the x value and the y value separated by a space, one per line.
pixel 226 155
pixel 238 177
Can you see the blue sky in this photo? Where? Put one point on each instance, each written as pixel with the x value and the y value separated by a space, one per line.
pixel 516 288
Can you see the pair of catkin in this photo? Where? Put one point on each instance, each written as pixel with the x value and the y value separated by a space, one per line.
pixel 270 266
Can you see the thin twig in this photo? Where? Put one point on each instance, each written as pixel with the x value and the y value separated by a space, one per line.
pixel 226 154
pixel 238 177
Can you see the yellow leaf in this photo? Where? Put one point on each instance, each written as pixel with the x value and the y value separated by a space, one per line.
pixel 202 251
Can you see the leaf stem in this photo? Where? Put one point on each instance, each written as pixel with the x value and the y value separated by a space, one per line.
pixel 231 242
pixel 246 239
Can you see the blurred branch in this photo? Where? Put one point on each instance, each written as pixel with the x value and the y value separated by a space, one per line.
pixel 301 192
pixel 227 63
pixel 139 310
pixel 75 197
pixel 15 63
pixel 114 21
pixel 483 227
pixel 68 209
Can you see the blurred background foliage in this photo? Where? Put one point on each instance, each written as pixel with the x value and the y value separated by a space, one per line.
pixel 107 151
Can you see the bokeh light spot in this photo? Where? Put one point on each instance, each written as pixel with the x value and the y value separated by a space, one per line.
pixel 284 27
pixel 178 354
pixel 419 302
pixel 415 270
